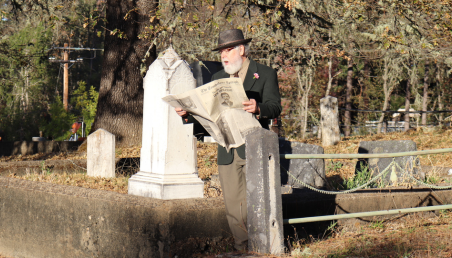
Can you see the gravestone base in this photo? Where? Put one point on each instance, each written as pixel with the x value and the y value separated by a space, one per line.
pixel 166 187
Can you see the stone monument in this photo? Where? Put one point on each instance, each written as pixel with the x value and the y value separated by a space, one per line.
pixel 329 122
pixel 168 151
pixel 101 154
pixel 395 175
pixel 309 171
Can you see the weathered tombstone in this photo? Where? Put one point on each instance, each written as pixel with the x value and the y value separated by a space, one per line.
pixel 168 152
pixel 101 154
pixel 407 164
pixel 329 122
pixel 309 171
pixel 263 193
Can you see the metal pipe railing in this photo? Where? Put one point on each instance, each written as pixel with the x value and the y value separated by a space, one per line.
pixel 363 156
pixel 366 214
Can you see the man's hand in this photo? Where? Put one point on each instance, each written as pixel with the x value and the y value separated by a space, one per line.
pixel 182 113
pixel 251 106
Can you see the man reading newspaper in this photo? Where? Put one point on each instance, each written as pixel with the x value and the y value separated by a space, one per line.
pixel 260 83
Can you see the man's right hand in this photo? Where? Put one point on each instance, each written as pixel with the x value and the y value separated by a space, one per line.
pixel 182 113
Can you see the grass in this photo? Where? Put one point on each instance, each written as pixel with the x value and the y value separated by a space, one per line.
pixel 415 237
pixel 338 172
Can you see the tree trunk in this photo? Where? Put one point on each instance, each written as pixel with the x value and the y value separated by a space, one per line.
pixel 387 95
pixel 330 76
pixel 120 105
pixel 407 104
pixel 348 98
pixel 440 91
pixel 425 97
pixel 306 103
pixel 305 84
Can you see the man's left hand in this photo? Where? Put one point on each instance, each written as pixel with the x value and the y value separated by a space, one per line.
pixel 251 106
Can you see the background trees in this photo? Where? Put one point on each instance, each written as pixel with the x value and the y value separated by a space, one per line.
pixel 365 53
pixel 30 86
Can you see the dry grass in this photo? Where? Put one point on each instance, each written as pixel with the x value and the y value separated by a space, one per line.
pixel 207 165
pixel 419 237
pixel 117 184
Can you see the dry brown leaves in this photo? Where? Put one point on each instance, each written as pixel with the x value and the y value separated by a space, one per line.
pixel 117 184
pixel 207 158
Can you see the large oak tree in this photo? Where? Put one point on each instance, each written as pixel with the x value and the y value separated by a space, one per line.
pixel 120 105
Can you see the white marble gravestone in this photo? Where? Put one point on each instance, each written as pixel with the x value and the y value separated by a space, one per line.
pixel 168 152
pixel 101 154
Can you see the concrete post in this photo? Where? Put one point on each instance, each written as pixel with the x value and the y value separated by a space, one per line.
pixel 263 193
pixel 329 122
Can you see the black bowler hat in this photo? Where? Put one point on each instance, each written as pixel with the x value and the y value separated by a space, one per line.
pixel 230 38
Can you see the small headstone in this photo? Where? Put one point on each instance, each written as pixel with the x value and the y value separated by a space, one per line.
pixel 263 193
pixel 101 154
pixel 330 121
pixel 309 171
pixel 377 165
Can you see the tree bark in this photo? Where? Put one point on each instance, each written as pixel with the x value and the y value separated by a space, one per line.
pixel 425 97
pixel 387 93
pixel 407 104
pixel 120 104
pixel 348 98
pixel 439 79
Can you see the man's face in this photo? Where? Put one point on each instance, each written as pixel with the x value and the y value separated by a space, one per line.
pixel 231 59
pixel 225 96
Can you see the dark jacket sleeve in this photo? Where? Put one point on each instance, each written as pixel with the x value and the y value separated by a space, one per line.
pixel 270 107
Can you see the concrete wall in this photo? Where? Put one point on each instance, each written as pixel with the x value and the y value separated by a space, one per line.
pixel 48 220
pixel 27 148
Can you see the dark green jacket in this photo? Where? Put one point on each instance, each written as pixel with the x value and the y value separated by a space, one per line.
pixel 265 91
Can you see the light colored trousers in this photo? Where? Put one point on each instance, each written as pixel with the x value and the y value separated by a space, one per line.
pixel 233 185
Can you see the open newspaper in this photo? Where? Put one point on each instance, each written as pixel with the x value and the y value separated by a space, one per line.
pixel 218 108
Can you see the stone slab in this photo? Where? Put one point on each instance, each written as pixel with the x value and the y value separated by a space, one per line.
pixel 309 171
pixel 101 154
pixel 377 165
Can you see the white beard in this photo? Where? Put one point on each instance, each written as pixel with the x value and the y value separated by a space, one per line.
pixel 234 66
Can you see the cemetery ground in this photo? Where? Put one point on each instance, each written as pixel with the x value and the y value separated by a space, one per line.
pixel 415 236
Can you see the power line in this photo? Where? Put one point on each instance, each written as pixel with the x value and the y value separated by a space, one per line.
pixel 395 111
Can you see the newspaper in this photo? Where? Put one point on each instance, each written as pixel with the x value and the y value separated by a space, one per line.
pixel 218 108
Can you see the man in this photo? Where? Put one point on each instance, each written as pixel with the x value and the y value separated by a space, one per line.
pixel 261 86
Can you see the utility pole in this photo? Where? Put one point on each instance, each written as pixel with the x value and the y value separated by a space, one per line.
pixel 66 67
